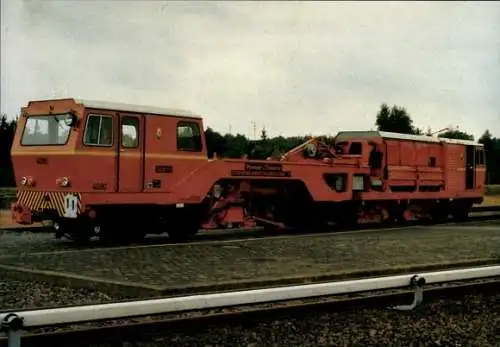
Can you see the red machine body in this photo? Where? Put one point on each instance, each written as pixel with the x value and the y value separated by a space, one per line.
pixel 120 171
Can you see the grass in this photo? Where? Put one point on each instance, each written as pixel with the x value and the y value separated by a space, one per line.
pixel 491 200
pixel 493 189
pixel 7 190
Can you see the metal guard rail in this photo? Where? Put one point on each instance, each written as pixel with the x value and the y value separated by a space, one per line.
pixel 13 323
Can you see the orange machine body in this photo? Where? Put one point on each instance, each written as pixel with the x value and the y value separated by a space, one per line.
pixel 97 165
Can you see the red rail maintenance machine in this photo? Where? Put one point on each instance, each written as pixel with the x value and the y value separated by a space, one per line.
pixel 121 171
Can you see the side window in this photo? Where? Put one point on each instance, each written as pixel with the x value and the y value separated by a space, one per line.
pixel 355 148
pixel 130 132
pixel 375 161
pixel 98 131
pixel 432 161
pixel 188 137
pixel 479 158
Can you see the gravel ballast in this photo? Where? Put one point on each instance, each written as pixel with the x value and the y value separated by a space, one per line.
pixel 471 321
pixel 15 294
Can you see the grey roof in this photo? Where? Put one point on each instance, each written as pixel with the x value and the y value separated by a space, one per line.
pixel 344 135
pixel 136 108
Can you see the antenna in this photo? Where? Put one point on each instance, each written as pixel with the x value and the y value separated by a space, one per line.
pixel 442 130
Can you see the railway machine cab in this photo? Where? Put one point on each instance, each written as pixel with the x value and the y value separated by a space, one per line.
pixel 370 154
pixel 68 154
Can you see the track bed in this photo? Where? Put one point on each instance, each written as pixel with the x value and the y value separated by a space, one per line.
pixel 167 269
pixel 463 313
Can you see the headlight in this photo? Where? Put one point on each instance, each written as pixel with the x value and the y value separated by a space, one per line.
pixel 24 180
pixel 30 181
pixel 63 181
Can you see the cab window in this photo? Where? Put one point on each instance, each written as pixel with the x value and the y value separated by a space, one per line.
pixel 130 132
pixel 98 130
pixel 50 130
pixel 188 137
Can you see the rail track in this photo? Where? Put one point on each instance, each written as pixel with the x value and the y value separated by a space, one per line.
pixel 170 327
pixel 112 333
pixel 492 213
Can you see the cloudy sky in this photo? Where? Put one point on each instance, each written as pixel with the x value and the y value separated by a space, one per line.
pixel 293 67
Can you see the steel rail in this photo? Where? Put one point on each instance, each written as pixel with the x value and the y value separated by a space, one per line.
pixel 261 233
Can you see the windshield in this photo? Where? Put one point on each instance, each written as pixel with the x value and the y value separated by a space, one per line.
pixel 45 130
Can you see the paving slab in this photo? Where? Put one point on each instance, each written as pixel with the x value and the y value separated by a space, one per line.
pixel 189 267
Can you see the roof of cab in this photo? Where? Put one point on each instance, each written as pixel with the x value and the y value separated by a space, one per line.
pixel 118 106
pixel 344 135
pixel 136 108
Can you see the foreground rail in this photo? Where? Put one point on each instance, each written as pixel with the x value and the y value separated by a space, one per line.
pixel 13 323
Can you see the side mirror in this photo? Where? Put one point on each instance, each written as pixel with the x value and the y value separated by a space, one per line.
pixel 70 119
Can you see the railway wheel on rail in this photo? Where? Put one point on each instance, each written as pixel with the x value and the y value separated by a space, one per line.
pixel 347 215
pixel 79 231
pixel 460 211
pixel 179 230
pixel 120 231
pixel 439 212
pixel 182 224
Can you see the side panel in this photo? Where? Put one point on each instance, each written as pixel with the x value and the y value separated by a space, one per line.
pixel 96 159
pixel 415 166
pixel 430 166
pixel 455 171
pixel 401 168
pixel 130 153
pixel 165 165
pixel 393 158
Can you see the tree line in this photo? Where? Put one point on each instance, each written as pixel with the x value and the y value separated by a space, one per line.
pixel 393 119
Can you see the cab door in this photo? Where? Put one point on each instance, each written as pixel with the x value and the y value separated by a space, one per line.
pixel 470 168
pixel 130 153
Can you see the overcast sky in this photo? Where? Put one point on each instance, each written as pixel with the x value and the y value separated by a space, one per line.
pixel 295 68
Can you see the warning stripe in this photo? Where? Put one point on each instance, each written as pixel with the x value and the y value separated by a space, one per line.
pixel 39 201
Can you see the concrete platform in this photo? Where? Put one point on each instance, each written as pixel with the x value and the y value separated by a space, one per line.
pixel 232 264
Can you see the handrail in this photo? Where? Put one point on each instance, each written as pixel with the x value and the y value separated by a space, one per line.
pixel 13 323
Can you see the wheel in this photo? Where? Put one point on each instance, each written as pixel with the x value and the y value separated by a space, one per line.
pixel 121 232
pixel 439 214
pixel 79 230
pixel 107 232
pixel 461 211
pixel 181 230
